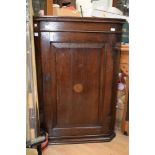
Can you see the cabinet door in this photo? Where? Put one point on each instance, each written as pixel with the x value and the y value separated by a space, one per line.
pixel 77 83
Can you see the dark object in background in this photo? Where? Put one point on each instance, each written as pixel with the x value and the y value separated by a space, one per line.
pixel 125 34
pixel 37 6
pixel 65 2
pixel 39 143
pixel 122 5
pixel 127 113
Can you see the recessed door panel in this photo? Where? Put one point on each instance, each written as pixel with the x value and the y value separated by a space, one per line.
pixel 79 67
pixel 77 87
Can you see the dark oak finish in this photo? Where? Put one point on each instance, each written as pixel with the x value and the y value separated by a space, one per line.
pixel 77 65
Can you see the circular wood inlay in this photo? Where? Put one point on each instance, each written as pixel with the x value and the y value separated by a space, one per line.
pixel 78 88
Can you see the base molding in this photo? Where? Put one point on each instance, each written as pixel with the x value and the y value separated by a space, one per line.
pixel 84 139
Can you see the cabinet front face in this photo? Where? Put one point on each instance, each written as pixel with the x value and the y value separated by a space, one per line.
pixel 77 84
pixel 77 71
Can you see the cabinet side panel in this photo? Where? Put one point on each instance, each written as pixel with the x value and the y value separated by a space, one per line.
pixel 108 93
pixel 48 70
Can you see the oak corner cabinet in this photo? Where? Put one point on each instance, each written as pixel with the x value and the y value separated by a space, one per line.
pixel 77 63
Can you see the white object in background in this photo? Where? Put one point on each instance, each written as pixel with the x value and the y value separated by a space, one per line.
pixel 106 3
pixel 55 9
pixel 41 13
pixel 111 10
pixel 56 5
pixel 121 86
pixel 115 11
pixel 86 7
pixel 108 12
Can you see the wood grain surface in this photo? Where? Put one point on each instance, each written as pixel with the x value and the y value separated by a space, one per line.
pixel 71 51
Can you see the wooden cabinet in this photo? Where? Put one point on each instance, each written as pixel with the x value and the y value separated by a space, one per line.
pixel 77 65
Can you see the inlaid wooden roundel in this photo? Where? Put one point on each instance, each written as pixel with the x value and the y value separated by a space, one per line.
pixel 78 88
